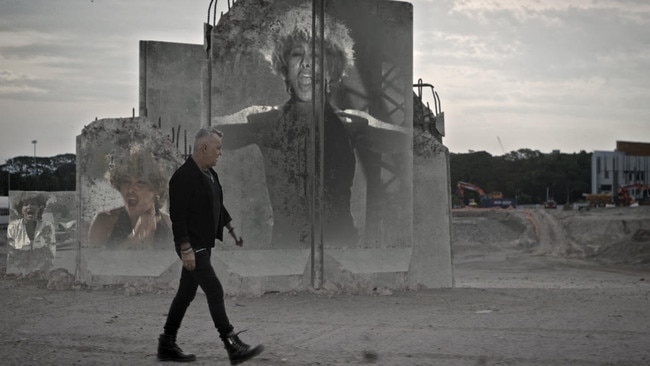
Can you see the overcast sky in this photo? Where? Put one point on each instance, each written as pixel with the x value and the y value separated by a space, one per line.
pixel 554 74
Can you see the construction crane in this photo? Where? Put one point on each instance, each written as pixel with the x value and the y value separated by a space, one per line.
pixel 501 144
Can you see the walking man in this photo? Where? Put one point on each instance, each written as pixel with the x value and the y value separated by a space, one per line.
pixel 198 217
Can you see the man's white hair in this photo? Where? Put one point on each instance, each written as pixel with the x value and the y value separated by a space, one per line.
pixel 205 132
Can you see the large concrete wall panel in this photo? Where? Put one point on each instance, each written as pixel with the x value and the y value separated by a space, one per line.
pixel 171 87
pixel 123 169
pixel 247 89
pixel 431 263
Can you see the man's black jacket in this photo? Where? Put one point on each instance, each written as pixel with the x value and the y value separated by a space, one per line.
pixel 190 207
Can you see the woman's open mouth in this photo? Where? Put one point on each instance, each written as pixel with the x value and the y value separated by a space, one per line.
pixel 304 79
pixel 131 201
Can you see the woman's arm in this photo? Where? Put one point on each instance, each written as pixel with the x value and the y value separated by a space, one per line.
pixel 375 135
pixel 238 132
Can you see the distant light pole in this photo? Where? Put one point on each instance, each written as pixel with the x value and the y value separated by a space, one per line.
pixel 34 142
pixel 8 179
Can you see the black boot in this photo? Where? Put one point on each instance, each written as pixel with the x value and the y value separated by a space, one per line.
pixel 168 350
pixel 239 351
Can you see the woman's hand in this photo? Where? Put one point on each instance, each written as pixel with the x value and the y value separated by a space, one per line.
pixel 146 226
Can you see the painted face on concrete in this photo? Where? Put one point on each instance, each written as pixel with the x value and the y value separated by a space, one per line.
pixel 139 196
pixel 299 71
pixel 30 211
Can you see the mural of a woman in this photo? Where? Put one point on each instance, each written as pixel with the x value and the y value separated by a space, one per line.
pixel 32 241
pixel 30 231
pixel 139 223
pixel 282 133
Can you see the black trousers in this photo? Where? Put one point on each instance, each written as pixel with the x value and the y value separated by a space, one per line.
pixel 204 276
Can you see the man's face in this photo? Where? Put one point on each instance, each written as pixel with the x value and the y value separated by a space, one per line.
pixel 212 151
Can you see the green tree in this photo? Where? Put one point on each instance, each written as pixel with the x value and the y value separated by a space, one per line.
pixel 525 174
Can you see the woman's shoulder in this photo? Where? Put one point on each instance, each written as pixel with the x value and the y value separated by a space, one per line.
pixel 109 215
pixel 15 223
pixel 102 226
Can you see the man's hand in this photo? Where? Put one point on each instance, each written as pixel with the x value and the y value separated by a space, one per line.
pixel 187 256
pixel 238 240
pixel 189 262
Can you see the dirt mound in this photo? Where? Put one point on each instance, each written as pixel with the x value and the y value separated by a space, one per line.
pixel 609 235
pixel 489 230
pixel 630 251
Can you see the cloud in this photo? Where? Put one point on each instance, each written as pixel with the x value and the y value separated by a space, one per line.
pixel 497 65
pixel 17 84
pixel 524 68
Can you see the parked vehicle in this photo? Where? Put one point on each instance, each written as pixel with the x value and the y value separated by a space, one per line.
pixel 627 198
pixel 550 204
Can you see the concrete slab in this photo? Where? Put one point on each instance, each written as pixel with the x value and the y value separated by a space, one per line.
pixel 127 263
pixel 372 260
pixel 255 272
pixel 66 259
pixel 258 263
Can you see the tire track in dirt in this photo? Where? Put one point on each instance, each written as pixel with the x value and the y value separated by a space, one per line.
pixel 553 238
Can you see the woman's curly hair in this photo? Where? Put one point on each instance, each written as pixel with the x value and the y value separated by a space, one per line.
pixel 39 199
pixel 137 162
pixel 294 27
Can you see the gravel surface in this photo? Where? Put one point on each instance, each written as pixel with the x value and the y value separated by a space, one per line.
pixel 536 287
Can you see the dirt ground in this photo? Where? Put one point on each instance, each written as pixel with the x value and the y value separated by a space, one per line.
pixel 533 287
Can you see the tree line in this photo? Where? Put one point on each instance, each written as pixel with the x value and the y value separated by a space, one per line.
pixel 525 174
pixel 26 173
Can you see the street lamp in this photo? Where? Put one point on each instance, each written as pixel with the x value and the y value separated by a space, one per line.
pixel 8 179
pixel 34 142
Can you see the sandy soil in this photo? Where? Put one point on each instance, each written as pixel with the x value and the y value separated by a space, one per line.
pixel 533 287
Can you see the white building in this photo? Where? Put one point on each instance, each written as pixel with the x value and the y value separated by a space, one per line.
pixel 4 212
pixel 628 165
